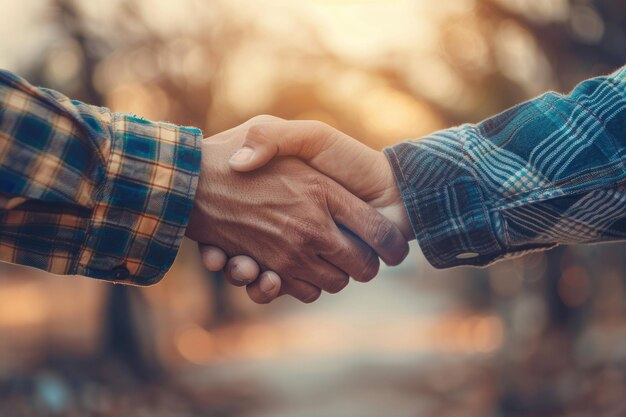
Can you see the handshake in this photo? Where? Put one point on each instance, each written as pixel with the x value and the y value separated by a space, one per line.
pixel 296 207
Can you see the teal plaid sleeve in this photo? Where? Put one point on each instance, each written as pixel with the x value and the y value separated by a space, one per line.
pixel 90 192
pixel 547 172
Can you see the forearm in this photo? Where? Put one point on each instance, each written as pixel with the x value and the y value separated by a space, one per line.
pixel 91 192
pixel 547 172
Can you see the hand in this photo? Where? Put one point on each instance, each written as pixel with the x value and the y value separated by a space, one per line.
pixel 361 170
pixel 286 216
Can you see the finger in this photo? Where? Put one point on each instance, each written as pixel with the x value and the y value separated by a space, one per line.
pixel 322 147
pixel 372 227
pixel 352 256
pixel 298 289
pixel 264 118
pixel 326 276
pixel 241 270
pixel 301 290
pixel 266 288
pixel 214 259
pixel 264 141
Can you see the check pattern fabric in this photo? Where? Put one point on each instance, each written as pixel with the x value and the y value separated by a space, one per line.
pixel 547 172
pixel 90 192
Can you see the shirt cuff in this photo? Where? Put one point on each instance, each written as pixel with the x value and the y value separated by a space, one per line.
pixel 143 204
pixel 445 202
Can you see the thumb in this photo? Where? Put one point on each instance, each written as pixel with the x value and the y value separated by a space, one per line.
pixel 303 139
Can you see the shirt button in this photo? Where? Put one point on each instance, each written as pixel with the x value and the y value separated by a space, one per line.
pixel 120 272
pixel 467 255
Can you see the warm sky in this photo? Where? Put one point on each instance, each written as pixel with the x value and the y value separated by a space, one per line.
pixel 358 28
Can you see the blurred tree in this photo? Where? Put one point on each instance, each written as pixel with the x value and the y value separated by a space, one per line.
pixel 126 322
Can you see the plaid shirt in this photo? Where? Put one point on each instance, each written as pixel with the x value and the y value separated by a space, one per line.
pixel 549 171
pixel 86 191
pixel 107 195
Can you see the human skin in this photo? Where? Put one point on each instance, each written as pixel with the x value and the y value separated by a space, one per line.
pixel 305 231
pixel 360 169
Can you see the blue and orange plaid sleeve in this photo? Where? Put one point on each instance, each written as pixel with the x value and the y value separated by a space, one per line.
pixel 547 172
pixel 90 192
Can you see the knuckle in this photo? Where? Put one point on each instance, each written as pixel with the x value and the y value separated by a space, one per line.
pixel 307 232
pixel 317 184
pixel 320 126
pixel 370 269
pixel 332 250
pixel 400 252
pixel 337 283
pixel 383 234
pixel 258 296
pixel 257 132
pixel 263 118
pixel 326 133
pixel 310 296
pixel 261 299
pixel 312 239
pixel 317 190
pixel 258 127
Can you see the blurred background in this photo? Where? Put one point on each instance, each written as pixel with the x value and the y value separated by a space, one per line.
pixel 544 335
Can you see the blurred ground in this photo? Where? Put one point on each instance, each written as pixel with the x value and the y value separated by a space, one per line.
pixel 372 351
pixel 397 347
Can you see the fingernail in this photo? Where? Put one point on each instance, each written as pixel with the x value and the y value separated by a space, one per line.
pixel 268 283
pixel 242 155
pixel 236 272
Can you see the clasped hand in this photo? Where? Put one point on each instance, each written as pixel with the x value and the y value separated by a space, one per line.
pixel 303 223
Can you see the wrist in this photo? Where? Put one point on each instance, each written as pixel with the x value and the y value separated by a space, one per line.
pixel 208 179
pixel 391 203
pixel 401 220
pixel 397 213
